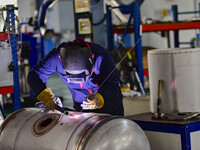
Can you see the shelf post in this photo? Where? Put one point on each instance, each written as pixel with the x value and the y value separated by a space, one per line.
pixel 175 19
pixel 13 43
pixel 138 40
pixel 109 27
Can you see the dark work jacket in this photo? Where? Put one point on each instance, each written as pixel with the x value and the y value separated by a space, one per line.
pixel 101 81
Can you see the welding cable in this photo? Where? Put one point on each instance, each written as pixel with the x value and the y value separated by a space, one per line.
pixel 100 22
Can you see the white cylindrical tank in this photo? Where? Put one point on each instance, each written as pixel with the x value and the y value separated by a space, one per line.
pixel 180 71
pixel 34 128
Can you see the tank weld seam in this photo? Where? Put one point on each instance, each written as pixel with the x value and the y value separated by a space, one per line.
pixel 101 120
pixel 75 130
pixel 8 119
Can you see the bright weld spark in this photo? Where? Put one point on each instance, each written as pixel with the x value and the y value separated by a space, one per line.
pixel 75 116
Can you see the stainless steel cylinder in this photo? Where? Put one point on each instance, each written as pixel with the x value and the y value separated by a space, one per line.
pixel 34 128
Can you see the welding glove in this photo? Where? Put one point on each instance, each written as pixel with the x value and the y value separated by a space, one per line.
pixel 93 101
pixel 49 99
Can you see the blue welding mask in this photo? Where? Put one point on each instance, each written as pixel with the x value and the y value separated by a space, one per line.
pixel 77 63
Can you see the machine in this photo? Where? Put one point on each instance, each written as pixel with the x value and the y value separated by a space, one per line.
pixel 39 128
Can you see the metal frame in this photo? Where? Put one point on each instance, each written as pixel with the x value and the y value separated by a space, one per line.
pixel 11 21
pixel 175 19
pixel 184 128
pixel 135 14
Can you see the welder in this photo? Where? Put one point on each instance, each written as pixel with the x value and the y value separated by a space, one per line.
pixel 89 72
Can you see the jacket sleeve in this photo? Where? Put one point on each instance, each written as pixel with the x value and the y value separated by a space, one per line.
pixel 109 88
pixel 108 83
pixel 38 76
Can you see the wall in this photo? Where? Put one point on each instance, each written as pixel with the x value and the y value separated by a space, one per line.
pixel 61 19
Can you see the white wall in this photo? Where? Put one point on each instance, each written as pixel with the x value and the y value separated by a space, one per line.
pixel 153 8
pixel 7 2
pixel 61 19
pixel 26 9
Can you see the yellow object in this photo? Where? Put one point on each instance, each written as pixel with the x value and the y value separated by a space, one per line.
pixel 123 89
pixel 94 101
pixel 129 56
pixel 46 96
pixel 100 101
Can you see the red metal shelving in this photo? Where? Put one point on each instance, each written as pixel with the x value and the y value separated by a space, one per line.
pixel 170 26
pixel 3 36
pixel 6 90
pixel 162 27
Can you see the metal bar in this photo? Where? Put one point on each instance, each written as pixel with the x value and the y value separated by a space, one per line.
pixel 109 28
pixel 116 11
pixel 188 12
pixel 199 9
pixel 13 42
pixel 175 18
pixel 185 138
pixel 128 25
pixel 3 36
pixel 6 90
pixel 184 42
pixel 170 26
pixel 41 46
pixel 162 27
pixel 138 46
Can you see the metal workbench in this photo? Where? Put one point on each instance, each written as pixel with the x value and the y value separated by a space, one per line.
pixel 188 132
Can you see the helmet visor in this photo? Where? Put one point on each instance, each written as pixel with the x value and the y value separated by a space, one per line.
pixel 78 76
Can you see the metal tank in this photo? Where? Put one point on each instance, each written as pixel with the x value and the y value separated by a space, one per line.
pixel 36 128
pixel 179 69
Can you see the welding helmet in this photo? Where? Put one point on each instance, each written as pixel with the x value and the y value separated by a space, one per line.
pixel 77 63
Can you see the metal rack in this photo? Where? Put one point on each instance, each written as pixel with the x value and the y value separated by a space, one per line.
pixel 13 42
pixel 134 9
pixel 162 27
pixel 175 19
pixel 187 131
pixel 137 28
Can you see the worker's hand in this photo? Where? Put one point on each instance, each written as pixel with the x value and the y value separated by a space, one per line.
pixel 49 99
pixel 56 101
pixel 93 101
